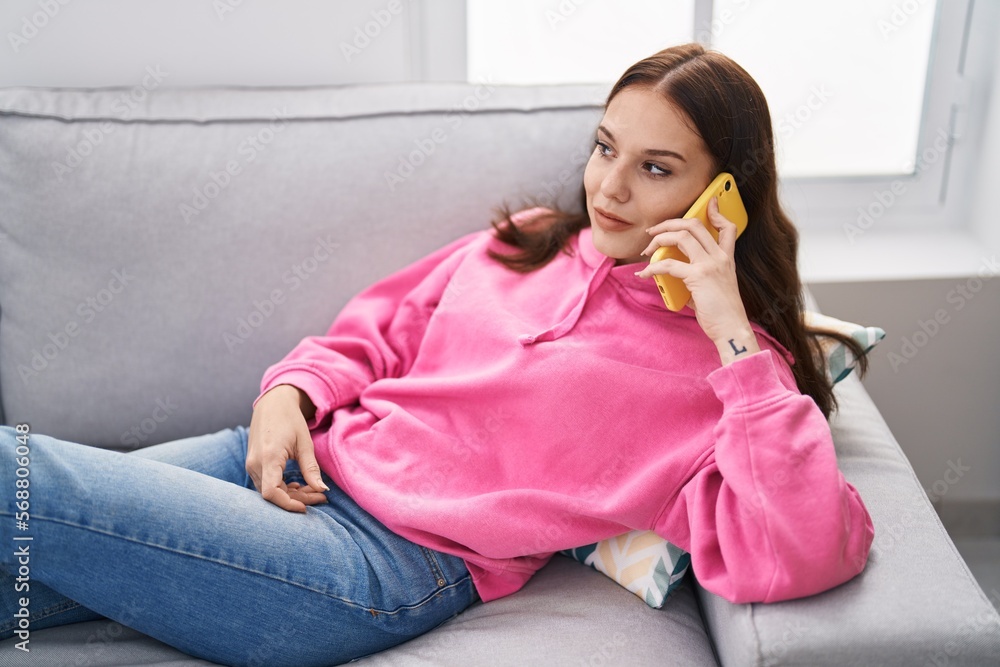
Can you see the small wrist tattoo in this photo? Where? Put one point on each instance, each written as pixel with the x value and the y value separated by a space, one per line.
pixel 732 343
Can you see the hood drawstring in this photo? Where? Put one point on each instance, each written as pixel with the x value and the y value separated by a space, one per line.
pixel 565 325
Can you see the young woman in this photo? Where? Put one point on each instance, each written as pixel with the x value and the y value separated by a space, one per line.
pixel 520 391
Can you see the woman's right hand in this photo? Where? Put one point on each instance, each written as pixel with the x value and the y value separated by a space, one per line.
pixel 278 432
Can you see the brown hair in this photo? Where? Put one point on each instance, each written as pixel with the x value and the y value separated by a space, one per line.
pixel 728 110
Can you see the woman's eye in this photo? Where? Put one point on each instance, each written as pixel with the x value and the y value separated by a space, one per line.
pixel 603 148
pixel 654 169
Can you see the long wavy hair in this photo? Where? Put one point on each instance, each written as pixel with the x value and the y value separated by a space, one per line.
pixel 728 110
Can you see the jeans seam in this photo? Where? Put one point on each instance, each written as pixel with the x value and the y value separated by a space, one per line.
pixel 432 562
pixel 428 598
pixel 215 561
pixel 351 603
pixel 45 613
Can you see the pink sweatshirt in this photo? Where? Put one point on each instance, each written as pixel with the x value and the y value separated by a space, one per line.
pixel 502 417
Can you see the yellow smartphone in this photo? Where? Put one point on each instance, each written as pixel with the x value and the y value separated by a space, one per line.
pixel 675 294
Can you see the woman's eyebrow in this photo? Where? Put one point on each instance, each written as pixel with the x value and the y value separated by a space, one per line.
pixel 648 151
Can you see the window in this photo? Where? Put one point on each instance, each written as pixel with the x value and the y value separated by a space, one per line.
pixel 531 42
pixel 845 82
pixel 864 94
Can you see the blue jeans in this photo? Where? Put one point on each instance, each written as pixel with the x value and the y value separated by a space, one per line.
pixel 174 541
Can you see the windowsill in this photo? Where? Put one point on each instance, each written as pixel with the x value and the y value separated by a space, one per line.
pixel 827 257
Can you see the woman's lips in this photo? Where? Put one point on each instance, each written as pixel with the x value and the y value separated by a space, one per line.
pixel 609 223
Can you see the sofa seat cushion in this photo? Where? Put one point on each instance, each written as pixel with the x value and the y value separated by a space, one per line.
pixel 568 614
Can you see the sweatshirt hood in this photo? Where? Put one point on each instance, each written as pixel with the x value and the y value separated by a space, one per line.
pixel 601 267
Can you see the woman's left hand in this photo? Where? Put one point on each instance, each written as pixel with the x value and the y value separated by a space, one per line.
pixel 710 277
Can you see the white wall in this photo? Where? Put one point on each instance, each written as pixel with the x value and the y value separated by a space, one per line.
pixel 237 42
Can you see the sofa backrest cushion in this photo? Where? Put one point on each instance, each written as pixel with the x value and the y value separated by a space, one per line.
pixel 161 248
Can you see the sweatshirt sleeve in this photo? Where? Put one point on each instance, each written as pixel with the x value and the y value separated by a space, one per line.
pixel 374 336
pixel 769 516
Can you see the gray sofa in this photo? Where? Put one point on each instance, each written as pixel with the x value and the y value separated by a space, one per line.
pixel 160 247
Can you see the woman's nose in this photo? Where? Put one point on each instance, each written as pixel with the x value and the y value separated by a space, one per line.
pixel 614 185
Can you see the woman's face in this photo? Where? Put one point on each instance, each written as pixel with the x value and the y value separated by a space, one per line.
pixel 648 166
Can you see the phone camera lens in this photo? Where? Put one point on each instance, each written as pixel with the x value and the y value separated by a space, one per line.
pixel 729 185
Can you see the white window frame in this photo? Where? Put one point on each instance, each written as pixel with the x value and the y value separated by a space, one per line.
pixel 932 203
pixel 935 200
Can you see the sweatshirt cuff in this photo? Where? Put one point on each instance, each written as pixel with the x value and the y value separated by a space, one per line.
pixel 750 380
pixel 314 387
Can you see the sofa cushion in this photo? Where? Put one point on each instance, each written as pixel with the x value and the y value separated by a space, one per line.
pixel 568 614
pixel 158 256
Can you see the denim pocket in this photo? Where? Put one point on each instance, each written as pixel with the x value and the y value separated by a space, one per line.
pixel 450 575
pixel 435 567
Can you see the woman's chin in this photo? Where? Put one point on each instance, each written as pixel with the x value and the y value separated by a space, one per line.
pixel 620 254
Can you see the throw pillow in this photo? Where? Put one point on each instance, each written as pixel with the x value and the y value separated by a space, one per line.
pixel 840 361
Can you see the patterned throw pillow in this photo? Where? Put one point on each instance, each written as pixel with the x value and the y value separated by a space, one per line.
pixel 840 361
pixel 641 561
pixel 653 568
